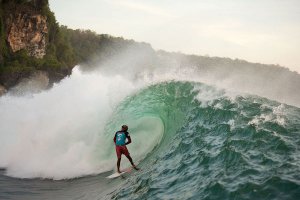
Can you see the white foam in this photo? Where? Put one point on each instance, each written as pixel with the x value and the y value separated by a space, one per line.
pixel 53 134
pixel 277 116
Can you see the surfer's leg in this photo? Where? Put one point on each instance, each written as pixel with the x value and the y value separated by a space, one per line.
pixel 118 164
pixel 127 154
pixel 119 154
pixel 130 159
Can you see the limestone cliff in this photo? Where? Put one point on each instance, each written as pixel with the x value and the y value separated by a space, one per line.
pixel 31 41
pixel 27 31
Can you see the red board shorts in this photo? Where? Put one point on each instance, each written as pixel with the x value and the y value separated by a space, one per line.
pixel 122 150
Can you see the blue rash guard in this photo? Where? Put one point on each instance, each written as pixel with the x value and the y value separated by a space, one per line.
pixel 121 138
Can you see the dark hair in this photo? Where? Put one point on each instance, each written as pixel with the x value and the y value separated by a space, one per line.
pixel 125 126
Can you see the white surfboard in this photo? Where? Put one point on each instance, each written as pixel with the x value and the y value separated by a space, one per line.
pixel 117 174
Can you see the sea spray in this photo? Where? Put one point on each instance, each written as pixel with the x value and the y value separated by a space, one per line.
pixel 53 134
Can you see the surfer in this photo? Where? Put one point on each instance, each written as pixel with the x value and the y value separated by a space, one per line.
pixel 120 142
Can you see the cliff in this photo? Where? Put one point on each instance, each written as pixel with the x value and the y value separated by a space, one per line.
pixel 27 31
pixel 31 41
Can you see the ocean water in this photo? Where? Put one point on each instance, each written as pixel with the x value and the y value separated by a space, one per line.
pixel 242 147
pixel 192 140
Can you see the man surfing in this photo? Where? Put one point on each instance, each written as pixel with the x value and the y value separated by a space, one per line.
pixel 120 142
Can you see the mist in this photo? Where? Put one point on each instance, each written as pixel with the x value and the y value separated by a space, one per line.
pixel 139 62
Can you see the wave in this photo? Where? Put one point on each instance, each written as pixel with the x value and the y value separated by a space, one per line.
pixel 191 139
pixel 216 144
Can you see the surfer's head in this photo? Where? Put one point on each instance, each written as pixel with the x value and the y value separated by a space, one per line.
pixel 124 128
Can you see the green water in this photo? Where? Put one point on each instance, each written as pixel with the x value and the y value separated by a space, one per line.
pixel 225 147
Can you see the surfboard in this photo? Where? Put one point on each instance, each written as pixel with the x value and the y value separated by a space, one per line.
pixel 117 174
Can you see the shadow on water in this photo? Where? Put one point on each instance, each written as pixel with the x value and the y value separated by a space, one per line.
pixel 89 187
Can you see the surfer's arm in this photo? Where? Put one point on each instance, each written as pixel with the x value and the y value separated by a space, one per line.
pixel 115 139
pixel 128 139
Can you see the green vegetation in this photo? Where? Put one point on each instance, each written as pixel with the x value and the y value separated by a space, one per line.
pixel 87 44
pixel 59 59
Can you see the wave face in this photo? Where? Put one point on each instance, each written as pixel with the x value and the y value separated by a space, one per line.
pixel 215 145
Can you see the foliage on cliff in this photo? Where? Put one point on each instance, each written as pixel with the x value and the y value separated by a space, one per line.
pixel 59 58
pixel 89 46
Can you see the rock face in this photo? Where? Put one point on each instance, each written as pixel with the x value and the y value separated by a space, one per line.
pixel 27 31
pixel 37 82
pixel 30 41
pixel 2 90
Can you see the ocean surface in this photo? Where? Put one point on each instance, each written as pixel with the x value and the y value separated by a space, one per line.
pixel 192 140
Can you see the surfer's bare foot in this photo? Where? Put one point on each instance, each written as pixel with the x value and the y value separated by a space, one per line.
pixel 119 172
pixel 135 167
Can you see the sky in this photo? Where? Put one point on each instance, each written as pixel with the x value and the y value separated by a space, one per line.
pixel 264 31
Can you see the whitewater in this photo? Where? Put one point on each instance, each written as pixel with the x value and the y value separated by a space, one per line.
pixel 194 137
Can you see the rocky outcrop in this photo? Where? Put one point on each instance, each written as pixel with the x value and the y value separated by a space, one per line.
pixel 37 82
pixel 27 31
pixel 2 90
pixel 30 41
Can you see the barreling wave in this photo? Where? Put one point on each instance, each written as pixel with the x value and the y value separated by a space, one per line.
pixel 192 140
pixel 226 146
